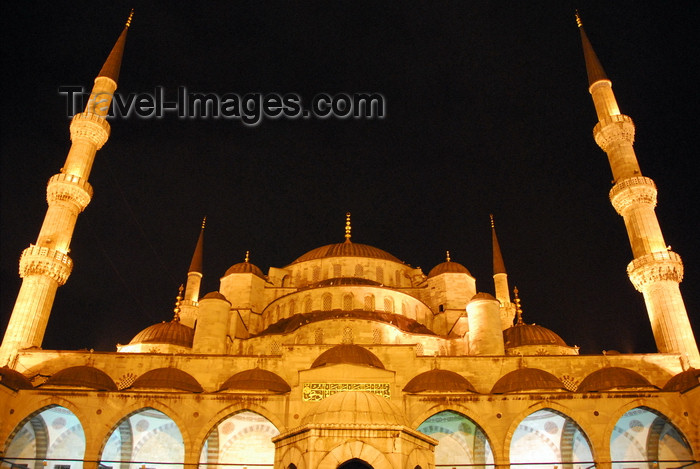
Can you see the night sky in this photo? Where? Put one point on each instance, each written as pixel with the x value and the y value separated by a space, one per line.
pixel 487 112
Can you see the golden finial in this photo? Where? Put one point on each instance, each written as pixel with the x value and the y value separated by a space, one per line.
pixel 579 23
pixel 447 256
pixel 178 298
pixel 518 308
pixel 493 225
pixel 348 228
pixel 247 257
pixel 204 222
pixel 128 20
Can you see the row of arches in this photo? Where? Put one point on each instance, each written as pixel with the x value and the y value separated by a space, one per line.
pixel 378 274
pixel 53 438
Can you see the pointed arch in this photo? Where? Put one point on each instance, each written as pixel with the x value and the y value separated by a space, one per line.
pixel 461 440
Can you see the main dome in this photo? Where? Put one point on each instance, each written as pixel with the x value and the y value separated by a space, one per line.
pixel 346 249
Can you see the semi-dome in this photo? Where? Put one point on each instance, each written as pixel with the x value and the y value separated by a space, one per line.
pixel 354 408
pixel 439 381
pixel 683 381
pixel 527 379
pixel 13 379
pixel 346 249
pixel 245 268
pixel 613 378
pixel 82 377
pixel 530 334
pixel 172 332
pixel 348 353
pixel 167 378
pixel 256 379
pixel 448 267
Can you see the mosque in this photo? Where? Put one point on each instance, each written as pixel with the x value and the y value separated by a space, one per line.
pixel 348 357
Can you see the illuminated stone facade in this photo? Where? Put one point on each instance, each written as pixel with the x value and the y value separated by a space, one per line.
pixel 348 357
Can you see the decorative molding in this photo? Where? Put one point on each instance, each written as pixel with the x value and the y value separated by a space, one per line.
pixel 319 391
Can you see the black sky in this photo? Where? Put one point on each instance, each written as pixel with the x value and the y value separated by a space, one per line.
pixel 487 112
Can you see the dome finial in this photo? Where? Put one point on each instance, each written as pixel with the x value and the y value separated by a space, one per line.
pixel 247 257
pixel 128 20
pixel 579 23
pixel 493 225
pixel 348 227
pixel 178 298
pixel 447 256
pixel 204 222
pixel 518 308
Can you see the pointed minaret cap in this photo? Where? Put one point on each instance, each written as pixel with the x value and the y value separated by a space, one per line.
pixel 197 262
pixel 111 67
pixel 499 266
pixel 593 66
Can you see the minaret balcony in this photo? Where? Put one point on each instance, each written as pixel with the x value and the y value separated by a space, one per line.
pixel 89 126
pixel 70 188
pixel 38 260
pixel 631 191
pixel 655 267
pixel 613 129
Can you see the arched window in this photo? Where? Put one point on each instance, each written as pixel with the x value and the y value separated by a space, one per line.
pixel 51 434
pixel 292 307
pixel 376 336
pixel 547 435
pixel 337 270
pixel 388 304
pixel 242 439
pixel 307 304
pixel 327 302
pixel 316 274
pixel 398 278
pixel 347 302
pixel 347 336
pixel 643 434
pixel 369 303
pixel 318 336
pixel 359 270
pixel 461 441
pixel 380 274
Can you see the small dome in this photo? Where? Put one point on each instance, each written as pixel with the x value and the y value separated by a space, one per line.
pixel 346 249
pixel 683 381
pixel 612 379
pixel 483 296
pixel 439 381
pixel 448 267
pixel 256 379
pixel 13 379
pixel 348 353
pixel 215 295
pixel 530 334
pixel 167 378
pixel 354 407
pixel 245 268
pixel 173 333
pixel 83 377
pixel 527 379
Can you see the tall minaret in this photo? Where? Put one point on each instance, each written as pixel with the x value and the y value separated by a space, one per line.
pixel 500 280
pixel 45 265
pixel 655 271
pixel 188 307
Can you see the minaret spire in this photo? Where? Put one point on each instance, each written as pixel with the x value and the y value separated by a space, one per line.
pixel 45 265
pixel 656 271
pixel 500 279
pixel 348 228
pixel 188 306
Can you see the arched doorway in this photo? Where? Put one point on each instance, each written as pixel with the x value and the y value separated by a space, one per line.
pixel 147 436
pixel 53 434
pixel 355 464
pixel 461 441
pixel 649 439
pixel 547 438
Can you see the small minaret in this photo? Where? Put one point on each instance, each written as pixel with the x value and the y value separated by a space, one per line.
pixel 500 280
pixel 45 265
pixel 188 306
pixel 655 271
